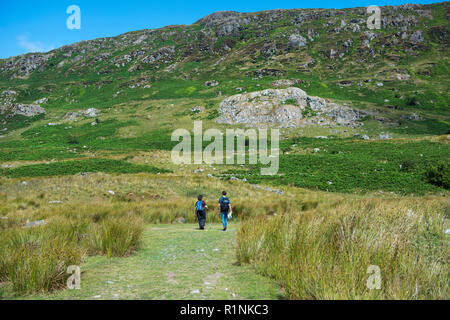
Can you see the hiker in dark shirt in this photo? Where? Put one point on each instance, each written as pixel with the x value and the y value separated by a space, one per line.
pixel 224 208
pixel 200 211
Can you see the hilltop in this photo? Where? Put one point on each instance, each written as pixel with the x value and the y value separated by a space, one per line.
pixel 311 72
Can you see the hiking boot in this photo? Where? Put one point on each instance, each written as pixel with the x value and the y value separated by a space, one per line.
pixel 224 229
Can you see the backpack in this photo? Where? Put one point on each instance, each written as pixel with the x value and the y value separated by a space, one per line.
pixel 224 204
pixel 199 205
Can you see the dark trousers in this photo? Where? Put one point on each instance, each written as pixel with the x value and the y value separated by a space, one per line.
pixel 201 215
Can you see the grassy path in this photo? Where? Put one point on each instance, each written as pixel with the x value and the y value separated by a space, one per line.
pixel 175 261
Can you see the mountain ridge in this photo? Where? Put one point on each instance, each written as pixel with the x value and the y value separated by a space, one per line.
pixel 398 70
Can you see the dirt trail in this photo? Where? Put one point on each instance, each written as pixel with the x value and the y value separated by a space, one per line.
pixel 175 261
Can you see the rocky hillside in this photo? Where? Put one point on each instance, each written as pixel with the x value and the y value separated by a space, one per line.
pixel 400 70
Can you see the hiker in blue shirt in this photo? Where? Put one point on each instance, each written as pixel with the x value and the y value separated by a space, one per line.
pixel 224 208
pixel 200 212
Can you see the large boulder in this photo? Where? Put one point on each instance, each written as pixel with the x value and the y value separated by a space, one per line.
pixel 285 108
pixel 296 41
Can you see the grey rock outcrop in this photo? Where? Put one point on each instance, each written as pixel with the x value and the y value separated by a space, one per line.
pixel 72 115
pixel 285 108
pixel 27 110
pixel 296 41
pixel 416 37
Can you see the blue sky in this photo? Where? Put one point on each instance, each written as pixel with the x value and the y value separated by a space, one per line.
pixel 40 25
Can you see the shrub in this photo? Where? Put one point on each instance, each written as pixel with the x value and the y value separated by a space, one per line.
pixel 71 139
pixel 439 174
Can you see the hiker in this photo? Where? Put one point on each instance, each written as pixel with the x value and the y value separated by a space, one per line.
pixel 224 208
pixel 200 211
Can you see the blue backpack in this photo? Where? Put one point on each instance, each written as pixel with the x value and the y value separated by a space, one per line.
pixel 199 205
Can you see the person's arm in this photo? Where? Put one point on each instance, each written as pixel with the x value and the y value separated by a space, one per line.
pixel 204 204
pixel 231 211
pixel 218 207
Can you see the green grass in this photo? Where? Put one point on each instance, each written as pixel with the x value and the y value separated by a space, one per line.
pixel 78 166
pixel 354 166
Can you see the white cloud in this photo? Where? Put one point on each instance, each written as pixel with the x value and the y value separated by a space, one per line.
pixel 33 46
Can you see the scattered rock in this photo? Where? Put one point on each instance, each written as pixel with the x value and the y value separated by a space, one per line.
pixel 35 223
pixel 296 41
pixel 197 109
pixel 180 220
pixel 384 136
pixel 365 137
pixel 196 291
pixel 416 37
pixel 237 179
pixel 27 110
pixel 267 189
pixel 284 83
pixel 211 83
pixel 41 101
pixel 111 192
pixel 413 117
pixel 70 116
pixel 170 278
pixel 91 112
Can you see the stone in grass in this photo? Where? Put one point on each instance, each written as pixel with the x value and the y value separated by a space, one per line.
pixel 384 136
pixel 195 291
pixel 365 137
pixel 35 223
pixel 180 220
pixel 91 112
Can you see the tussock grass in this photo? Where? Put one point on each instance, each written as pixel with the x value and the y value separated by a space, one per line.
pixel 37 260
pixel 324 254
pixel 318 245
pixel 117 237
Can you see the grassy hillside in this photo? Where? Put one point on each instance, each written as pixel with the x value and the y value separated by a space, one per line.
pixel 92 190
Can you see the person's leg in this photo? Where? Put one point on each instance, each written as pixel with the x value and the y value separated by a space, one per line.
pixel 224 219
pixel 199 218
pixel 203 219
